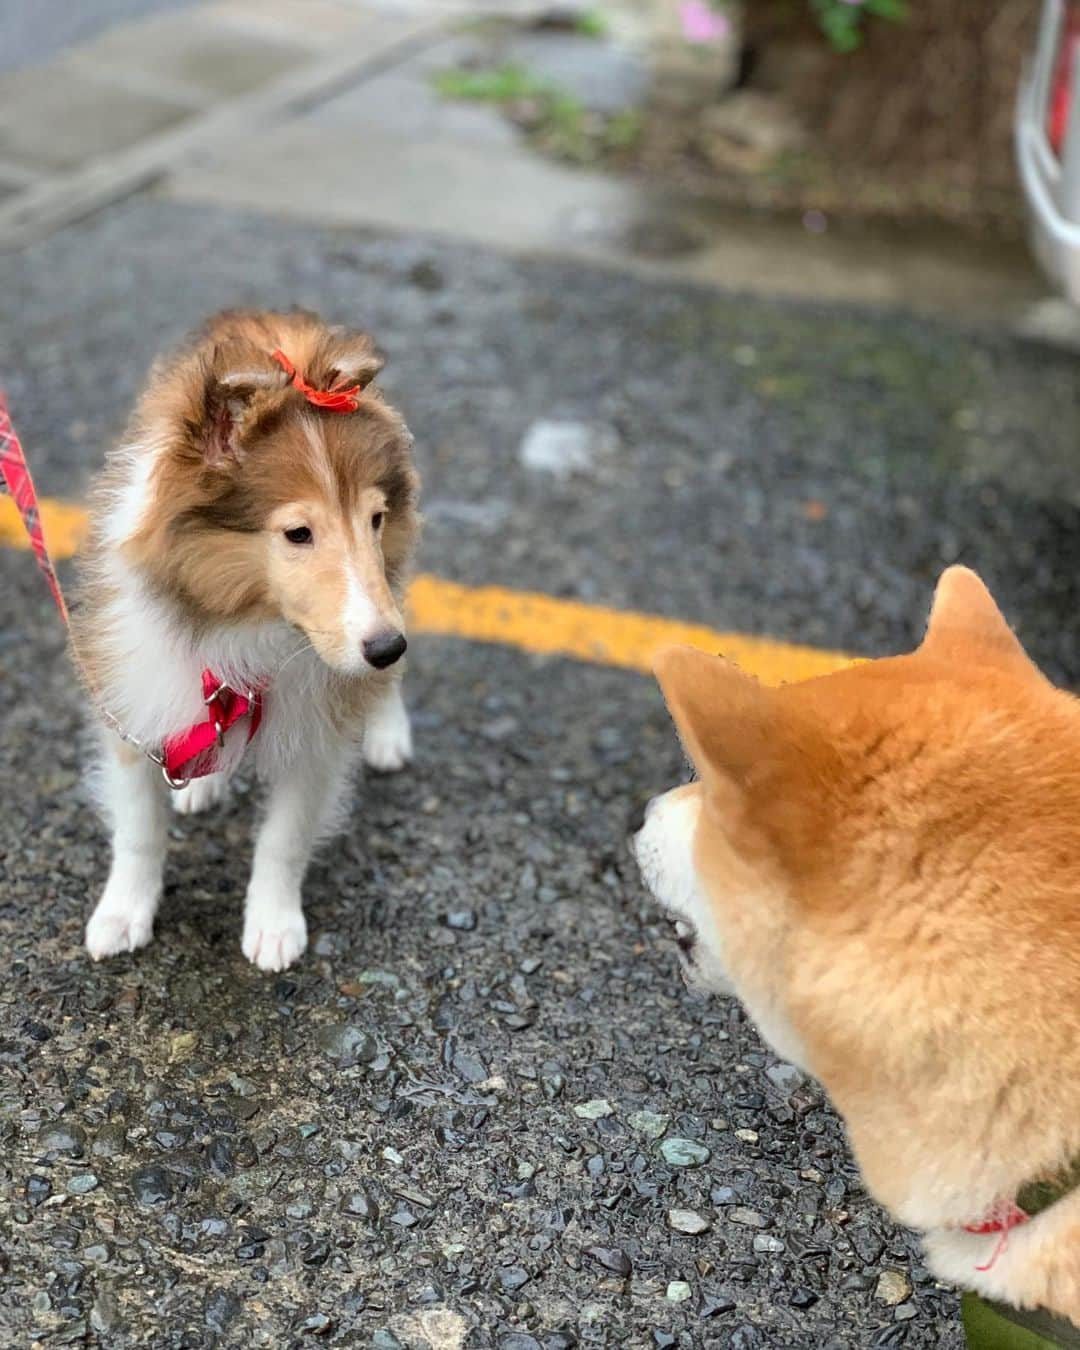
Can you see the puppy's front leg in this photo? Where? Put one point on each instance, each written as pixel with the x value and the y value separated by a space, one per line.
pixel 387 744
pixel 301 801
pixel 135 803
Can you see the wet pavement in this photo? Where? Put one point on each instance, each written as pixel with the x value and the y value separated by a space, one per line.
pixel 482 1111
pixel 35 30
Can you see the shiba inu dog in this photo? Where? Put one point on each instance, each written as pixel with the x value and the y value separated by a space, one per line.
pixel 883 864
pixel 250 543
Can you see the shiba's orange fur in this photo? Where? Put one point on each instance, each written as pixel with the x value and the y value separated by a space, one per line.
pixel 891 857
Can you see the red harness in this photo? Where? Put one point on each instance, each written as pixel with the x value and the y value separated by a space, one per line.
pixel 193 752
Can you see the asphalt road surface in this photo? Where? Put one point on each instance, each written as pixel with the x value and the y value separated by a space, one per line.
pixel 386 1145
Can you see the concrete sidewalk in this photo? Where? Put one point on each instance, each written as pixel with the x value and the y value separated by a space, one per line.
pixel 326 111
pixel 108 117
pixel 139 79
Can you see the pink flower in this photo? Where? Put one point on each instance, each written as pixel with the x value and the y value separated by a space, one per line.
pixel 702 23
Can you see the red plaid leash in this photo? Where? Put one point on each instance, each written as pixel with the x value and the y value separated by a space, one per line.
pixel 192 752
pixel 15 473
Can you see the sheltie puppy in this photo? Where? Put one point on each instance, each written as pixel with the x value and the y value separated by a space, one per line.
pixel 883 864
pixel 242 594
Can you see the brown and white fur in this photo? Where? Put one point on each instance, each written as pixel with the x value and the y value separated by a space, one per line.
pixel 884 865
pixel 190 567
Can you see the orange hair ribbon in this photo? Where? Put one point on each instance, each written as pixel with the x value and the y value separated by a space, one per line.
pixel 333 400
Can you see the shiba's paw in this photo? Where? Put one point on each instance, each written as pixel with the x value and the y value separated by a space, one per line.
pixel 387 745
pixel 274 941
pixel 200 794
pixel 112 930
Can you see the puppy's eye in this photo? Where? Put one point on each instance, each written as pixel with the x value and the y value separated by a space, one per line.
pixel 377 520
pixel 300 535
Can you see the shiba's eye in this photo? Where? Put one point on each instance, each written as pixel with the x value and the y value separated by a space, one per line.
pixel 377 520
pixel 300 535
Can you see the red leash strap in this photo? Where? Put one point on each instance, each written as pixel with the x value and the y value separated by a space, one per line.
pixel 15 473
pixel 333 400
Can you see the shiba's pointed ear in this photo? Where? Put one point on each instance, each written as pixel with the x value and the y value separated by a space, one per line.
pixel 233 377
pixel 966 625
pixel 354 360
pixel 725 719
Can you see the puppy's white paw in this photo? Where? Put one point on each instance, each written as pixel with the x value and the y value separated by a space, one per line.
pixel 200 794
pixel 113 930
pixel 388 745
pixel 274 940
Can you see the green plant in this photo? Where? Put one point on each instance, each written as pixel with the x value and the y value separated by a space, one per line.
pixel 555 120
pixel 592 23
pixel 623 130
pixel 842 20
pixel 562 126
pixel 496 84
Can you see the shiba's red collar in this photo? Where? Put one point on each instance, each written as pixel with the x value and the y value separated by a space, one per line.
pixel 193 753
pixel 1035 1197
pixel 1002 1219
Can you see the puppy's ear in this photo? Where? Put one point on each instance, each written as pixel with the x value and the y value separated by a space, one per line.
pixel 966 625
pixel 354 360
pixel 725 720
pixel 233 379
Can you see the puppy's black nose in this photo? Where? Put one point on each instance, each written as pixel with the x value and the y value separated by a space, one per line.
pixel 384 649
pixel 638 812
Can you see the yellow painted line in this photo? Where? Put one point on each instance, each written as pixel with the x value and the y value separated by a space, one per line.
pixel 65 524
pixel 531 622
pixel 606 637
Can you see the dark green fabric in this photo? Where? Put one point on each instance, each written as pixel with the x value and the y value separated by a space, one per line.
pixel 993 1326
pixel 1041 1195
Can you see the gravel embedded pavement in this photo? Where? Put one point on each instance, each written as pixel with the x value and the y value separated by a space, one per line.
pixel 482 1111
